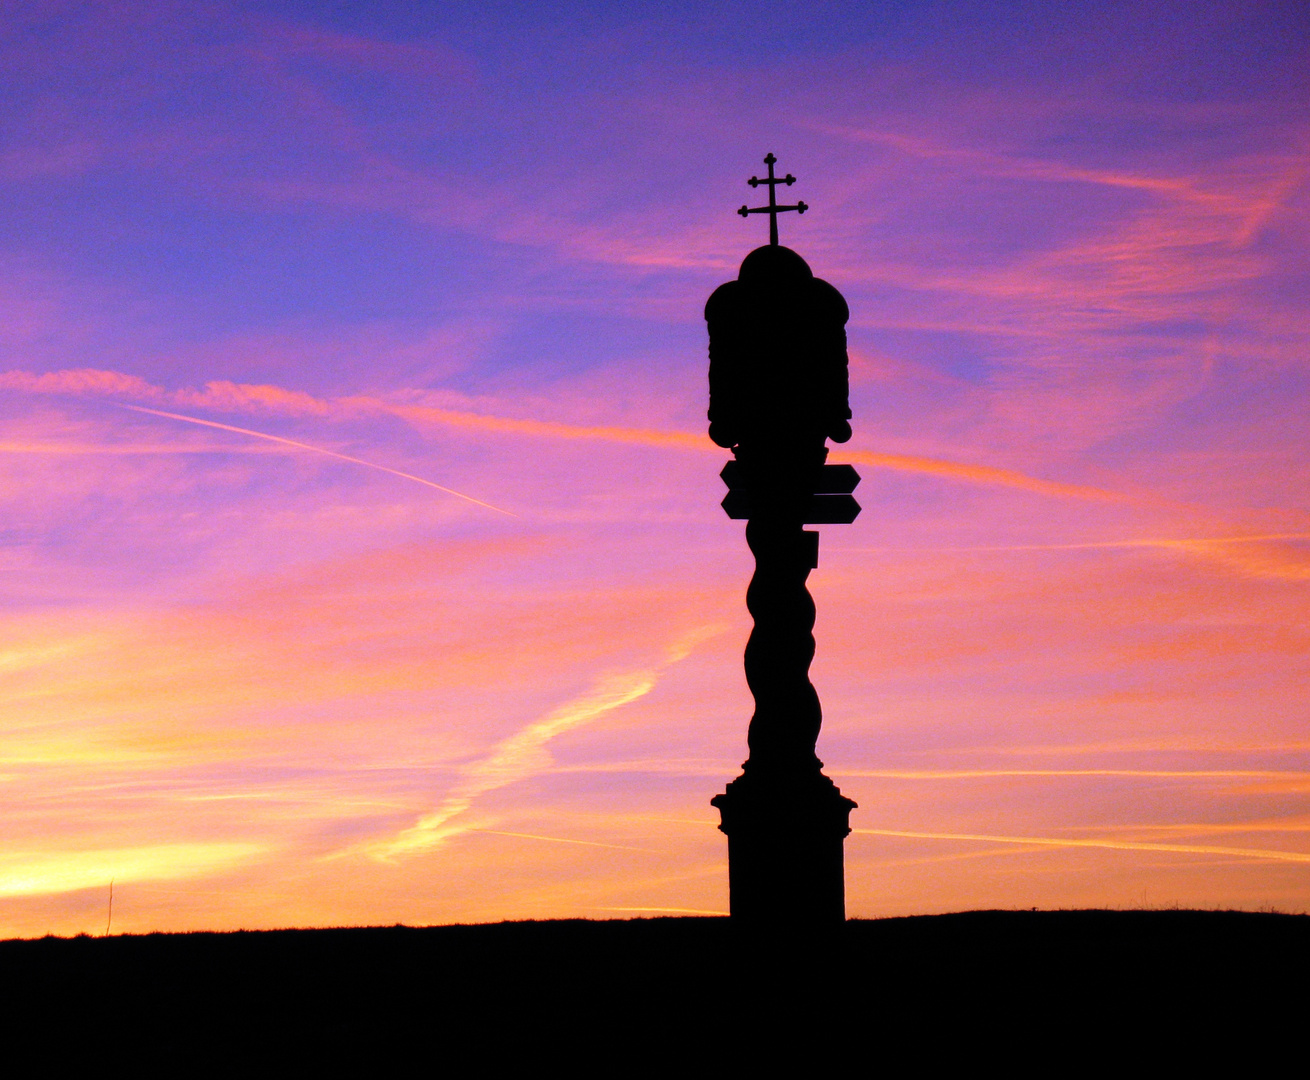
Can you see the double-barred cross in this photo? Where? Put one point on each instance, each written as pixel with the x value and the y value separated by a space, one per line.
pixel 773 209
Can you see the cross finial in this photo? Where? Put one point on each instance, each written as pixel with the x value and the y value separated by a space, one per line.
pixel 773 209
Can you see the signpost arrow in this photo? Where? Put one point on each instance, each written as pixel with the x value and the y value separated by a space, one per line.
pixel 839 509
pixel 833 479
pixel 837 480
pixel 826 509
pixel 737 505
pixel 830 504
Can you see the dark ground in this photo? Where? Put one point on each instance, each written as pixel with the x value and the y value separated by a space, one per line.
pixel 1012 986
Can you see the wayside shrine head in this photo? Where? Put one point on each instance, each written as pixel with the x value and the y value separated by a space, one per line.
pixel 774 264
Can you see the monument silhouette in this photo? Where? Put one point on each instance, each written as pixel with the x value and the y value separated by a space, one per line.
pixel 779 390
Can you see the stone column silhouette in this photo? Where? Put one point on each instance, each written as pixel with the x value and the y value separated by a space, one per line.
pixel 778 392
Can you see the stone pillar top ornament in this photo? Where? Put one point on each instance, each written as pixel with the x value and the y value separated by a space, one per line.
pixel 773 209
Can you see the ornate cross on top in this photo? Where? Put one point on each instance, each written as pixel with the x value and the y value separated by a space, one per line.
pixel 773 209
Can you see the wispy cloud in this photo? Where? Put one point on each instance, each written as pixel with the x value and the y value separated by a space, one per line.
pixel 990 163
pixel 525 753
pixel 319 450
pixel 1143 774
pixel 1266 854
pixel 981 474
pixel 559 839
pixel 514 759
pixel 122 449
pixel 675 440
pixel 234 397
pixel 1261 555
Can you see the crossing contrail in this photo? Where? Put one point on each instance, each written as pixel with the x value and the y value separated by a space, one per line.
pixel 1120 845
pixel 318 450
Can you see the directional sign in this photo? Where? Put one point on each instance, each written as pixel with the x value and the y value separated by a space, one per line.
pixel 839 509
pixel 827 509
pixel 833 479
pixel 731 475
pixel 837 480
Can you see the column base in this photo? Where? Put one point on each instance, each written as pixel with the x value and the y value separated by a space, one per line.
pixel 785 835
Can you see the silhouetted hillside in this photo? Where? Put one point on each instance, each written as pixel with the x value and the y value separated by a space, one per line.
pixel 657 988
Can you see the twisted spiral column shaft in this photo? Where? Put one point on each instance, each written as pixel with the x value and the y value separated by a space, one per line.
pixel 785 725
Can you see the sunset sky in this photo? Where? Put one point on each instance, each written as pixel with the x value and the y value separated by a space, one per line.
pixel 361 558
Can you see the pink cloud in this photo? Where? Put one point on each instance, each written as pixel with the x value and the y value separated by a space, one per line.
pixel 277 40
pixel 81 381
pixel 231 397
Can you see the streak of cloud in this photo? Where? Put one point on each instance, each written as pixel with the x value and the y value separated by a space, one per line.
pixel 685 440
pixel 1158 746
pixel 993 164
pixel 674 440
pixel 1264 208
pixel 1249 555
pixel 1095 545
pixel 112 449
pixel 1207 828
pixel 1145 774
pixel 982 474
pixel 561 840
pixel 243 397
pixel 1117 845
pixel 516 758
pixel 524 753
pixel 320 450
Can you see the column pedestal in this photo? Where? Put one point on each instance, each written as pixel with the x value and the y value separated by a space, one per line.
pixel 785 836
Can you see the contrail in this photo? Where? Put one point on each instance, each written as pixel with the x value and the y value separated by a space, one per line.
pixel 516 758
pixel 986 774
pixel 1162 542
pixel 562 840
pixel 524 754
pixel 318 450
pixel 1118 845
pixel 232 395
